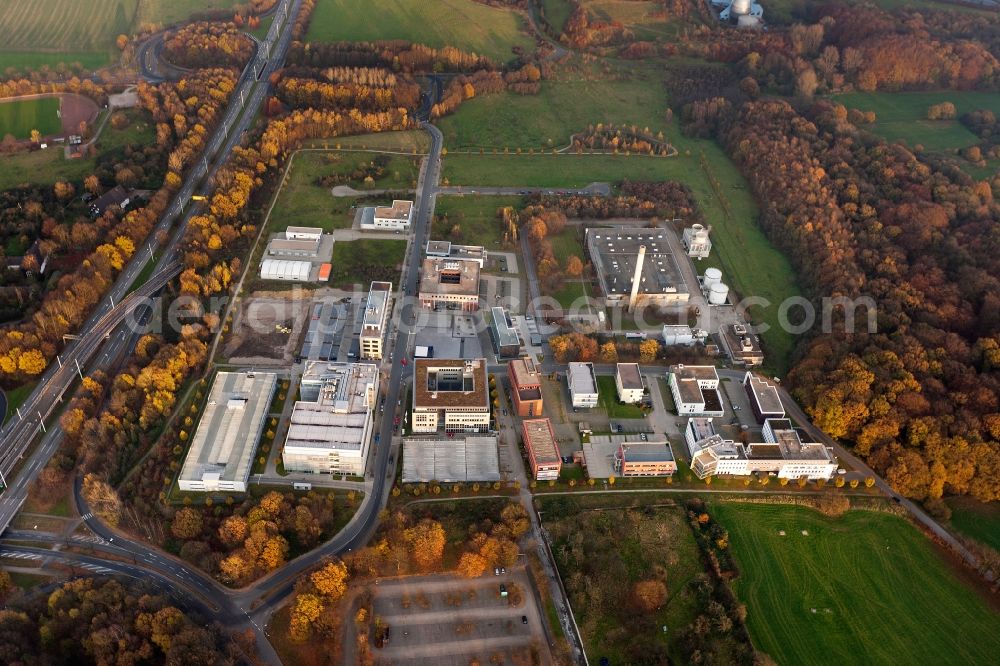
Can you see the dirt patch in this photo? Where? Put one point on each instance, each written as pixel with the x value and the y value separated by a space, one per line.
pixel 267 328
pixel 74 109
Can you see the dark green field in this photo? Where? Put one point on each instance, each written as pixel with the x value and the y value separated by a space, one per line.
pixel 977 520
pixel 475 216
pixel 464 24
pixel 865 588
pixel 362 261
pixel 19 117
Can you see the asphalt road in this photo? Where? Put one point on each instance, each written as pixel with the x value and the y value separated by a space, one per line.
pixel 117 305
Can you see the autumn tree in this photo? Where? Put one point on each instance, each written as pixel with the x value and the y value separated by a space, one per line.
pixel 102 499
pixel 426 540
pixel 186 524
pixel 472 565
pixel 331 580
pixel 574 266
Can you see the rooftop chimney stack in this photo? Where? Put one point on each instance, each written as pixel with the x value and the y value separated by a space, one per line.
pixel 636 279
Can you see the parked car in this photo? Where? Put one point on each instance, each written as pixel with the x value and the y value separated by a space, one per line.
pixel 524 619
pixel 644 438
pixel 496 571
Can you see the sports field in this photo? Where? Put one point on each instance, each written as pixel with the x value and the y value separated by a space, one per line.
pixel 18 118
pixel 464 24
pixel 865 588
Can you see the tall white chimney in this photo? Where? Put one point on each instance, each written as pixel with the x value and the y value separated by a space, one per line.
pixel 637 278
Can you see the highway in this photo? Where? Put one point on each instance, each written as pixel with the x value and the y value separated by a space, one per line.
pixel 118 304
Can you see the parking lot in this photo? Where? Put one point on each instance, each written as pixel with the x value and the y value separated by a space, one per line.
pixel 449 620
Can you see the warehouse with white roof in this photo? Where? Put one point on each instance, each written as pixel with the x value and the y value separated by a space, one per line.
pixel 222 449
pixel 285 269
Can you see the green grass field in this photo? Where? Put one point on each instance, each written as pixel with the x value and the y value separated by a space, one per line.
pixel 312 205
pixel 903 116
pixel 164 12
pixel 41 33
pixel 362 261
pixel 411 141
pixel 864 588
pixel 18 118
pixel 464 24
pixel 976 520
pixel 476 217
pixel 498 121
pixel 12 62
pixel 608 397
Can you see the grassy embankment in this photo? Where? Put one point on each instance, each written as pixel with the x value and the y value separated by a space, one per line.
pixel 864 587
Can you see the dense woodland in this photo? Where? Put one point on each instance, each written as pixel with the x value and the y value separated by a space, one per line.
pixel 101 621
pixel 857 217
pixel 205 44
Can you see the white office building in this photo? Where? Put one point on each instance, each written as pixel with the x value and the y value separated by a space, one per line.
pixel 330 429
pixel 396 217
pixel 695 390
pixel 628 381
pixel 582 384
pixel 452 393
pixel 373 327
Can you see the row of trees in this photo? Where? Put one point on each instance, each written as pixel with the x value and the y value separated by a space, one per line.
pixel 397 55
pixel 299 92
pixel 920 398
pixel 581 347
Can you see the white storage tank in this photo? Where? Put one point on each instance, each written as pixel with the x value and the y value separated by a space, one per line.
pixel 747 21
pixel 739 7
pixel 712 276
pixel 718 293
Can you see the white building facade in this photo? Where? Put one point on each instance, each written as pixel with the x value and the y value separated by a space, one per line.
pixel 582 383
pixel 628 381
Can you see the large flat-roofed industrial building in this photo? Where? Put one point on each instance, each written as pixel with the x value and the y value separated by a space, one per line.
pixel 330 427
pixel 373 326
pixel 542 447
pixel 506 341
pixel 450 391
pixel 451 460
pixel 452 284
pixel 636 267
pixel 222 448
